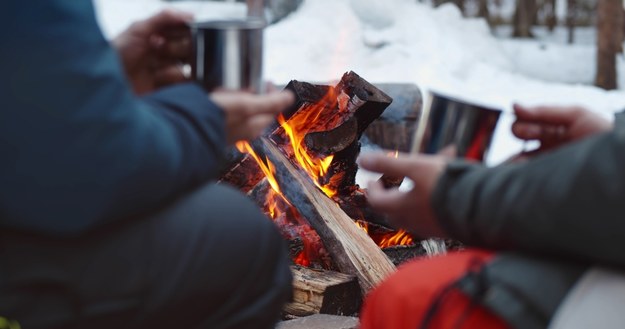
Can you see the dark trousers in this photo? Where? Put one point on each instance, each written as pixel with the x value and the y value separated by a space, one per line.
pixel 211 260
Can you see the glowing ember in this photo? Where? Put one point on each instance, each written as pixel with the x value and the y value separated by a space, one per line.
pixel 293 226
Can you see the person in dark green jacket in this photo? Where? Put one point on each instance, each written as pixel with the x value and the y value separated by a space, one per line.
pixel 108 218
pixel 544 219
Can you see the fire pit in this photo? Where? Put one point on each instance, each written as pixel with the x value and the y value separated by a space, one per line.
pixel 302 174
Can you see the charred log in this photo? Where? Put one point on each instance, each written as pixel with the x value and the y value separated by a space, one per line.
pixel 402 254
pixel 244 175
pixel 355 205
pixel 333 141
pixel 341 115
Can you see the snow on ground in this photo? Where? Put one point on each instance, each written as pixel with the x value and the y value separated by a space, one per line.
pixel 115 15
pixel 404 41
pixel 532 56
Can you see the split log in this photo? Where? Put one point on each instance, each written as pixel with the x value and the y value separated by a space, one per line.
pixel 322 291
pixel 351 249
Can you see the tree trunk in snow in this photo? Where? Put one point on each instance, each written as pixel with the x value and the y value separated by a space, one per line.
pixel 483 10
pixel 609 41
pixel 459 3
pixel 571 14
pixel 620 44
pixel 523 18
pixel 552 20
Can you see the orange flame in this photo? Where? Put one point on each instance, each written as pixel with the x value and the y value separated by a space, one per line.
pixel 390 239
pixel 321 114
pixel 296 128
pixel 267 167
pixel 400 238
pixel 277 205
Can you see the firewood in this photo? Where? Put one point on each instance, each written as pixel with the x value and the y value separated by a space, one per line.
pixel 244 175
pixel 351 249
pixel 335 140
pixel 301 239
pixel 352 99
pixel 356 206
pixel 360 103
pixel 322 291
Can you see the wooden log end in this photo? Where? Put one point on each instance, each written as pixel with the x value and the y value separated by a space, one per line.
pixel 322 291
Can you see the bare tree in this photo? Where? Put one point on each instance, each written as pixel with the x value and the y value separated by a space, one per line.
pixel 483 10
pixel 620 45
pixel 571 15
pixel 524 18
pixel 550 14
pixel 609 41
pixel 459 3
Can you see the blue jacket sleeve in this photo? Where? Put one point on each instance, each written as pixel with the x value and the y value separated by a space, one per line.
pixel 77 147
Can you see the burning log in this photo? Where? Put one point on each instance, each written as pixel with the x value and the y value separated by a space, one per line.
pixel 322 291
pixel 334 140
pixel 309 160
pixel 245 175
pixel 334 118
pixel 355 205
pixel 403 254
pixel 305 245
pixel 327 122
pixel 352 250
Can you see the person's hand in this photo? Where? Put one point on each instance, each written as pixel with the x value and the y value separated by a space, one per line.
pixel 247 114
pixel 410 210
pixel 556 126
pixel 154 50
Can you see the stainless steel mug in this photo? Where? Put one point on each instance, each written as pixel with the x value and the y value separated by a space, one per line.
pixel 459 127
pixel 228 54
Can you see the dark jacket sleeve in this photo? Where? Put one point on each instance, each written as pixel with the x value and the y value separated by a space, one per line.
pixel 78 147
pixel 569 203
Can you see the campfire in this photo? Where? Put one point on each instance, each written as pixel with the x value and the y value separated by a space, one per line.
pixel 302 173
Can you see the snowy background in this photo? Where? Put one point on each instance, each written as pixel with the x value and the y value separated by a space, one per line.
pixel 406 41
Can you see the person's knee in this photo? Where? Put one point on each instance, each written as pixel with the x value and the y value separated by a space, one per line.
pixel 222 243
pixel 230 221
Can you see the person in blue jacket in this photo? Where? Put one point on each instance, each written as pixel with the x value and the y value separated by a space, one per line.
pixel 108 218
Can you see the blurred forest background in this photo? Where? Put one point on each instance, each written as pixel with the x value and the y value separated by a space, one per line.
pixel 522 17
pixel 608 16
